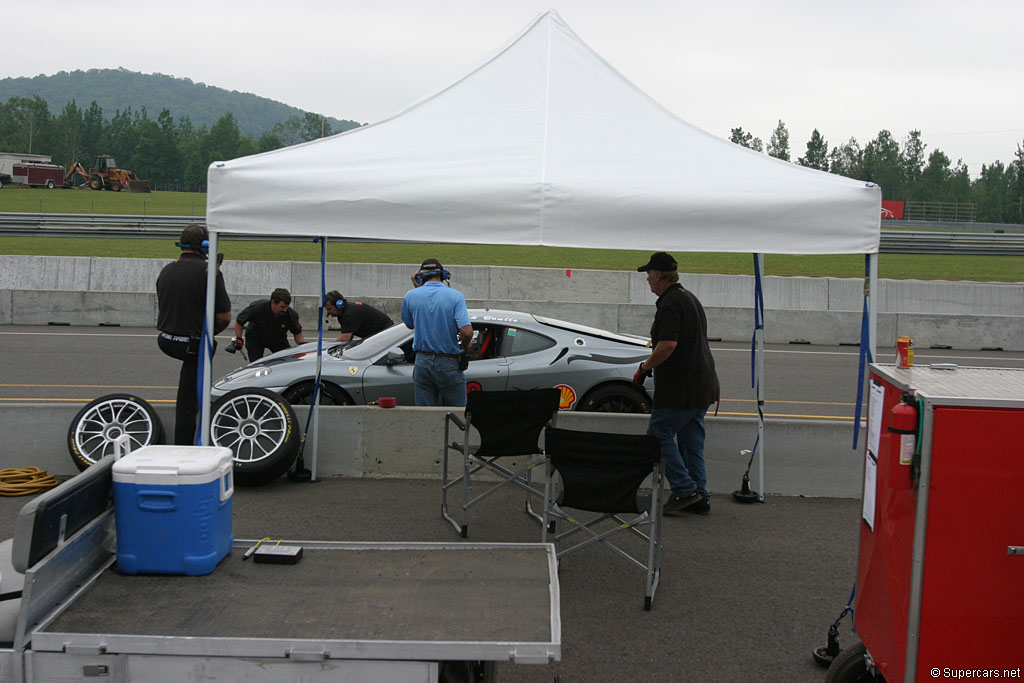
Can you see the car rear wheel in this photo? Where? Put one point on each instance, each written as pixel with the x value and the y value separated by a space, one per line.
pixel 260 429
pixel 96 427
pixel 330 394
pixel 615 398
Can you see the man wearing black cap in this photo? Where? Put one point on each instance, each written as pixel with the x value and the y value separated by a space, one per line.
pixel 356 318
pixel 440 322
pixel 685 384
pixel 181 298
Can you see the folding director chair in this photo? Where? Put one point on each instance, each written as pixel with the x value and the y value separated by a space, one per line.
pixel 509 424
pixel 603 473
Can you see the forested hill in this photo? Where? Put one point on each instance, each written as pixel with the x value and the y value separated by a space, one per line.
pixel 118 89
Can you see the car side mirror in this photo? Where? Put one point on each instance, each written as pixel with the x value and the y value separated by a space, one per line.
pixel 394 357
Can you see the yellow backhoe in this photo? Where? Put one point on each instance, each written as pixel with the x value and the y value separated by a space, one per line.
pixel 105 175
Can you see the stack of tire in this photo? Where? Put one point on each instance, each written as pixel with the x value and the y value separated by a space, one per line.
pixel 257 425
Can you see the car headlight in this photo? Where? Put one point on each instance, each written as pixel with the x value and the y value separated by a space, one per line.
pixel 243 375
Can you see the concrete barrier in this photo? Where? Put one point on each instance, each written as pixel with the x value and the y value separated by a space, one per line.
pixel 805 457
pixel 962 315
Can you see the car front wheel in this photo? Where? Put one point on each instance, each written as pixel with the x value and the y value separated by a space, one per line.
pixel 330 395
pixel 615 398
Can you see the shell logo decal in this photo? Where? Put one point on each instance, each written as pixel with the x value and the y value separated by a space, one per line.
pixel 353 369
pixel 567 398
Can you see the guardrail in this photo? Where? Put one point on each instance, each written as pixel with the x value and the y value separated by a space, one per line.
pixel 163 227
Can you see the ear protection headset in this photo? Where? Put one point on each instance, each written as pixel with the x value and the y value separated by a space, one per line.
pixel 338 303
pixel 433 272
pixel 204 246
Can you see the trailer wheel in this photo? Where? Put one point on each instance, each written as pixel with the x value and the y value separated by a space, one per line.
pixel 851 666
pixel 93 431
pixel 50 184
pixel 260 429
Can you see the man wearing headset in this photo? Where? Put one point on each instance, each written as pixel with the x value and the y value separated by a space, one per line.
pixel 181 297
pixel 356 318
pixel 440 322
pixel 266 323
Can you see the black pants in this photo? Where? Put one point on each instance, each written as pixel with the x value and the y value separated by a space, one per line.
pixel 186 406
pixel 255 346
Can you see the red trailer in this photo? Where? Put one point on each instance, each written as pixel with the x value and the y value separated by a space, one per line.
pixel 38 175
pixel 940 577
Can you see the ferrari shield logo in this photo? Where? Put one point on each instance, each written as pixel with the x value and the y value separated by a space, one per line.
pixel 353 369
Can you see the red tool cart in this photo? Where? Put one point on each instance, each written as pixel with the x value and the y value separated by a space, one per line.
pixel 940 576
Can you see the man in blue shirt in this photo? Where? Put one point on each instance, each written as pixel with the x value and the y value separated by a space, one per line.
pixel 440 323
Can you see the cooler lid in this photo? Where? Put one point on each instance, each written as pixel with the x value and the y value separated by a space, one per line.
pixel 175 463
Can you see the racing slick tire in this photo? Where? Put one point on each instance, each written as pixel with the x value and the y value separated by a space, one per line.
pixel 92 433
pixel 260 429
pixel 301 394
pixel 615 398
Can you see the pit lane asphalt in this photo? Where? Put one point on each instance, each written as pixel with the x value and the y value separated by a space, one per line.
pixel 55 363
pixel 746 592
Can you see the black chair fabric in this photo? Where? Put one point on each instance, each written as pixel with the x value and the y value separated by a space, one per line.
pixel 601 472
pixel 510 422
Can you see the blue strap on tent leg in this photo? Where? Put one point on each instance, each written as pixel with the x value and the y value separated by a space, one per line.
pixel 865 355
pixel 299 472
pixel 205 351
pixel 825 655
pixel 744 494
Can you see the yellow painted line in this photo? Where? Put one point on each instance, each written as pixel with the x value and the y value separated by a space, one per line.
pixel 75 400
pixel 809 417
pixel 803 403
pixel 88 386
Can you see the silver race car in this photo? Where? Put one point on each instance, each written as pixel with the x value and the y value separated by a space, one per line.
pixel 510 350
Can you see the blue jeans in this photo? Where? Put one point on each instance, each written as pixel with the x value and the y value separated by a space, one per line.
pixel 437 381
pixel 681 433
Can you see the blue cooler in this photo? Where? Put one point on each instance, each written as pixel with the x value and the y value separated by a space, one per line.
pixel 172 505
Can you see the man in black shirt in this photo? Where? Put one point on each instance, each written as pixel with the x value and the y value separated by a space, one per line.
pixel 685 384
pixel 266 323
pixel 356 318
pixel 181 298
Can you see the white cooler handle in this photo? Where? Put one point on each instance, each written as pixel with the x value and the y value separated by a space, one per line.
pixel 122 443
pixel 227 482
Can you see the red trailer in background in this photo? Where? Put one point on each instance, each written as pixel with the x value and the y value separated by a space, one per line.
pixel 38 175
pixel 940 577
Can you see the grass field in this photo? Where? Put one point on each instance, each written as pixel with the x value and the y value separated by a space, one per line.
pixel 894 266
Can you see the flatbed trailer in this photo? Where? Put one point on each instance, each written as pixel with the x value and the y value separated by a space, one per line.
pixel 345 611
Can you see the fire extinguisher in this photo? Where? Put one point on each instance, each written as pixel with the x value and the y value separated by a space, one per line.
pixel 904 421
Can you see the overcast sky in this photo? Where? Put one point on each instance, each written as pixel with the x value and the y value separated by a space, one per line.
pixel 949 68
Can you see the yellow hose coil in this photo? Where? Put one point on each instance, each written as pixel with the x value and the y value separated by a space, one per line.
pixel 25 481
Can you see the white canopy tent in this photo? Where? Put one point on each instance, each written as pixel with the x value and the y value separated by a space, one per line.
pixel 544 143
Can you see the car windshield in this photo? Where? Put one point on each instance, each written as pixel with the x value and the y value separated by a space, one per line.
pixel 375 345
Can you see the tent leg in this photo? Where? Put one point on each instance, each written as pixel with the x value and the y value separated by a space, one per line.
pixel 207 350
pixel 760 397
pixel 873 304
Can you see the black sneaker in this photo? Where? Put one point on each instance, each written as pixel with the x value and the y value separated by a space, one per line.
pixel 701 508
pixel 678 503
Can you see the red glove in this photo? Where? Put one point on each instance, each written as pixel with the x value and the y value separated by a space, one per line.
pixel 641 374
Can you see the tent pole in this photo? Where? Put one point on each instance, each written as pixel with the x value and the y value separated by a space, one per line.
pixel 207 350
pixel 873 304
pixel 319 358
pixel 760 395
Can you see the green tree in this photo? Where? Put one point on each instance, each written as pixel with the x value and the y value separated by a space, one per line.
pixel 912 164
pixel 30 124
pixel 223 140
pixel 817 152
pixel 778 144
pixel 935 179
pixel 94 133
pixel 69 129
pixel 290 131
pixel 315 126
pixel 989 193
pixel 744 139
pixel 267 142
pixel 882 165
pixel 847 160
